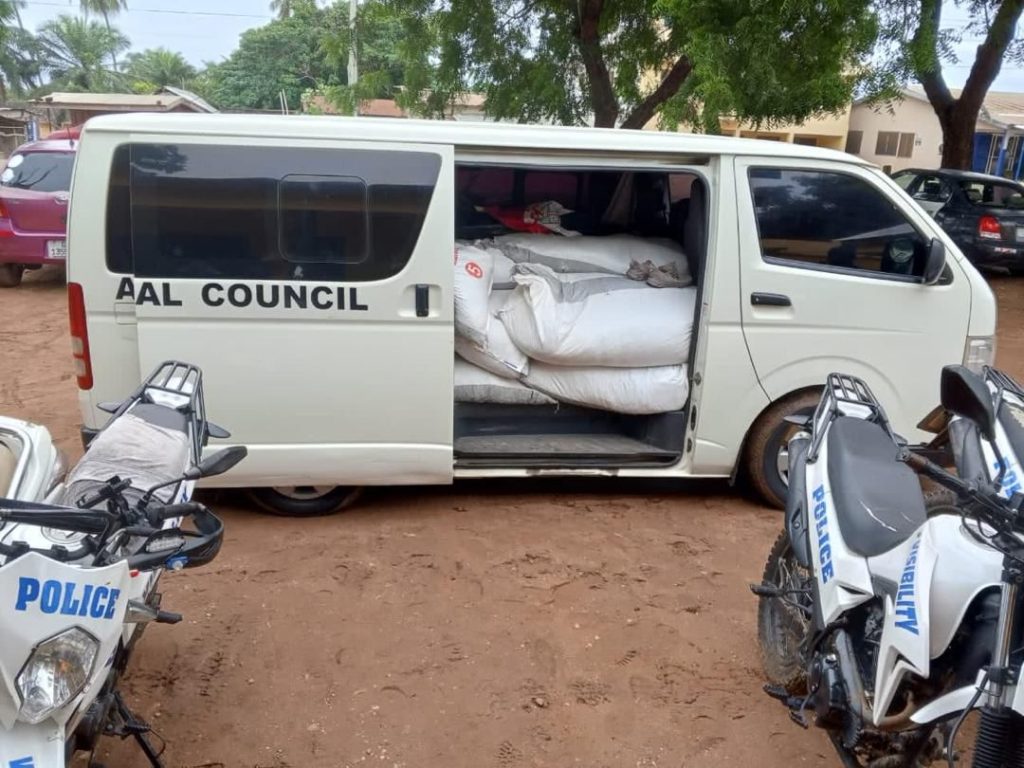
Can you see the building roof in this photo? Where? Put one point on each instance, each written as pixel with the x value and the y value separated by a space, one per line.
pixel 1003 109
pixel 668 146
pixel 165 101
pixel 380 108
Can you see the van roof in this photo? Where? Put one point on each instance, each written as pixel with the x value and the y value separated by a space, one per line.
pixel 470 134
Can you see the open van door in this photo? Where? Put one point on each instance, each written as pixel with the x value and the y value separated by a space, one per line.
pixel 311 280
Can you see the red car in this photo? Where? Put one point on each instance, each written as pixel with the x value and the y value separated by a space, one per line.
pixel 34 207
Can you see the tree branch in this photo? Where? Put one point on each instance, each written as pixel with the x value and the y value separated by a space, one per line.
pixel 926 37
pixel 667 88
pixel 588 34
pixel 989 59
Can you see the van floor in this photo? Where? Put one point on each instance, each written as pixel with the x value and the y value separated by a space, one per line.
pixel 558 436
pixel 558 450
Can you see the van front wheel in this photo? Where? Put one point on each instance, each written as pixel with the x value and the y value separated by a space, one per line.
pixel 306 500
pixel 767 454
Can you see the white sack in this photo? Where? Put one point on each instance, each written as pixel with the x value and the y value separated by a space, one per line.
pixel 474 385
pixel 622 390
pixel 133 449
pixel 612 254
pixel 474 271
pixel 497 354
pixel 606 321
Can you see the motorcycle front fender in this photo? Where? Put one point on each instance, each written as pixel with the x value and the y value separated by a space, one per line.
pixel 33 746
pixel 797 523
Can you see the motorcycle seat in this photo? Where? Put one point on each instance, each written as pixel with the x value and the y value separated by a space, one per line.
pixel 877 498
pixel 8 465
pixel 161 416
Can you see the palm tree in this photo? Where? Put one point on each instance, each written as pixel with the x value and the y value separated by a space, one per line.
pixel 282 8
pixel 157 67
pixel 106 8
pixel 74 50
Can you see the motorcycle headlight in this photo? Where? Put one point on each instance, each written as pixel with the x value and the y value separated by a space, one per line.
pixel 979 352
pixel 56 672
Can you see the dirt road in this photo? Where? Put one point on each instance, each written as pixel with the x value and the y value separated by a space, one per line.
pixel 596 625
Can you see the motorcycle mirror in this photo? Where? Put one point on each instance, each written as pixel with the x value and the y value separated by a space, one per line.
pixel 966 394
pixel 215 430
pixel 221 461
pixel 935 262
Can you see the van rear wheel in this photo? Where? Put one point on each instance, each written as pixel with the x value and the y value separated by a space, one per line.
pixel 767 453
pixel 306 500
pixel 10 275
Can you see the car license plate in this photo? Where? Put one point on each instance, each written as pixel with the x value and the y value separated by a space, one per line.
pixel 57 250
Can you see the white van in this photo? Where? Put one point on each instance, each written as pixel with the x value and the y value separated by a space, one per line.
pixel 306 264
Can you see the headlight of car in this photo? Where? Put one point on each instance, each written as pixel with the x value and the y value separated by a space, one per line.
pixel 56 672
pixel 979 352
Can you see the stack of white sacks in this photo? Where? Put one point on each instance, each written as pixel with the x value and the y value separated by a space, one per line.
pixel 602 322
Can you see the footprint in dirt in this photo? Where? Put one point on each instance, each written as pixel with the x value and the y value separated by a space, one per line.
pixel 590 692
pixel 508 754
pixel 627 658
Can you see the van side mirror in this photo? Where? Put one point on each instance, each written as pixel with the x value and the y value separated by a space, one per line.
pixel 221 461
pixel 935 262
pixel 966 394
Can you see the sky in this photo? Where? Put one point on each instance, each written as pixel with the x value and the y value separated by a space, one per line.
pixel 207 30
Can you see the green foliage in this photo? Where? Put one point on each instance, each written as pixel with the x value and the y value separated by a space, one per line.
pixel 73 51
pixel 156 67
pixel 283 56
pixel 621 62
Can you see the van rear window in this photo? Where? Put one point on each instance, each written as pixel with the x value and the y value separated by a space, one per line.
pixel 266 213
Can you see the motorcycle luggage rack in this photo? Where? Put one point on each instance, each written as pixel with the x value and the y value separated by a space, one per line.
pixel 1003 382
pixel 176 380
pixel 845 395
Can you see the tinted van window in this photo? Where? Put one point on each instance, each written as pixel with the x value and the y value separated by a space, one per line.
pixel 41 171
pixel 820 219
pixel 266 213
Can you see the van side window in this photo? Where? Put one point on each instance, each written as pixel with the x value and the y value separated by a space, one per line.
pixel 266 213
pixel 833 221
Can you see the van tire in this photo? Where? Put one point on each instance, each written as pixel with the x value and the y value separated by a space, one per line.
pixel 767 439
pixel 278 501
pixel 10 275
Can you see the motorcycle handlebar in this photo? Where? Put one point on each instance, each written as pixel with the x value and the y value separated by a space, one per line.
pixel 170 511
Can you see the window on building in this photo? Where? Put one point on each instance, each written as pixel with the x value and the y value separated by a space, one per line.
pixel 894 144
pixel 835 221
pixel 906 145
pixel 266 213
pixel 853 141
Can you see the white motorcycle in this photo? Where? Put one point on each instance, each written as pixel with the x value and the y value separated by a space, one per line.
pixel 79 576
pixel 31 466
pixel 888 620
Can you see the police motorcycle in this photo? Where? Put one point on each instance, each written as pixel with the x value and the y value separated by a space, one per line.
pixel 31 466
pixel 79 575
pixel 886 622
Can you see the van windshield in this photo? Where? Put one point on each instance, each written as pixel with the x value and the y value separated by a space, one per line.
pixel 40 171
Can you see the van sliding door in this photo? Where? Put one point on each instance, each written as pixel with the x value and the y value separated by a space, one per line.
pixel 311 281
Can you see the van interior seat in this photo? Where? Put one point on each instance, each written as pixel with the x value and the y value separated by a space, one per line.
pixel 8 465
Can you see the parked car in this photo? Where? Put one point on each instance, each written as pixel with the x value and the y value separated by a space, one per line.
pixel 983 214
pixel 34 207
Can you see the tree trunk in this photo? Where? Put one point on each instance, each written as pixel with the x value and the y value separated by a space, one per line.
pixel 958 139
pixel 667 88
pixel 113 55
pixel 588 34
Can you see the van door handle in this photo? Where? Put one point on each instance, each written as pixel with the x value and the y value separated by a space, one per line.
pixel 770 300
pixel 422 300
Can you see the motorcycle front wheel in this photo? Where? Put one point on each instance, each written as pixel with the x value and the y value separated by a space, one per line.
pixel 783 622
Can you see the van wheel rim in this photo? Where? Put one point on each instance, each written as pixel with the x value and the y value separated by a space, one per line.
pixel 303 492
